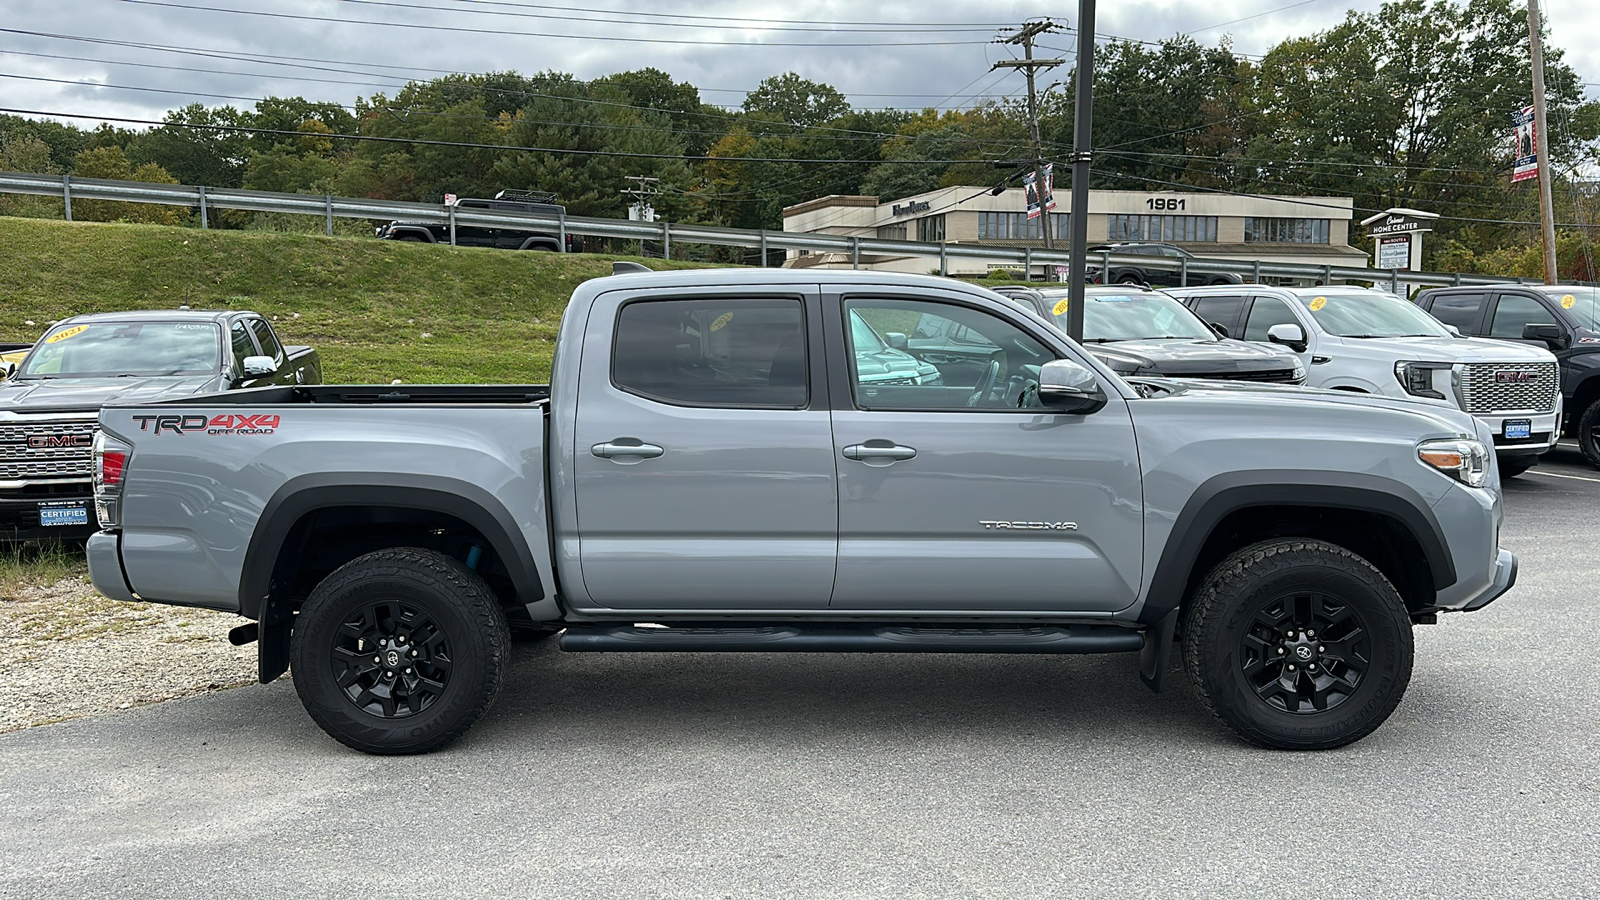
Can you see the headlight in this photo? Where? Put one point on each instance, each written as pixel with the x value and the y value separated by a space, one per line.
pixel 1467 461
pixel 1417 378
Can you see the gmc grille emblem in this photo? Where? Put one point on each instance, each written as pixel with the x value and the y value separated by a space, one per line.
pixel 1514 377
pixel 55 441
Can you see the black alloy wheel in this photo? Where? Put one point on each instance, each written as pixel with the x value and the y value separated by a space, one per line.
pixel 399 651
pixel 391 659
pixel 1298 644
pixel 1305 652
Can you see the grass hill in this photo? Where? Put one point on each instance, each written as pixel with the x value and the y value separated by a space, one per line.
pixel 376 310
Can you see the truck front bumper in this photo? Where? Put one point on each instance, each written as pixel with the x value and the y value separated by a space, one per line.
pixel 1505 575
pixel 105 566
pixel 1543 429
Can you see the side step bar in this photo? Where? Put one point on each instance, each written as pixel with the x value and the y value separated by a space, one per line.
pixel 851 639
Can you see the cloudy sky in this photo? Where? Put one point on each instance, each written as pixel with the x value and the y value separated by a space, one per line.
pixel 138 58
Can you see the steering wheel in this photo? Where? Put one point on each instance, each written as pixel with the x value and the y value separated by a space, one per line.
pixel 985 384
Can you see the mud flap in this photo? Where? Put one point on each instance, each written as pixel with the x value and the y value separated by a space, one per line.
pixel 1156 657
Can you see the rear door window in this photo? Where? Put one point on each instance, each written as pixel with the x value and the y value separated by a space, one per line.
pixel 1464 311
pixel 713 352
pixel 1222 311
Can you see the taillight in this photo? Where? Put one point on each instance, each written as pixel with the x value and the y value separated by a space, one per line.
pixel 110 464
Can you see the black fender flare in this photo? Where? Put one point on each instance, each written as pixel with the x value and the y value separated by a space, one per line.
pixel 309 493
pixel 425 234
pixel 1223 495
pixel 306 494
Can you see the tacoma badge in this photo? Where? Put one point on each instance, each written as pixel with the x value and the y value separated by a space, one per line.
pixel 1029 526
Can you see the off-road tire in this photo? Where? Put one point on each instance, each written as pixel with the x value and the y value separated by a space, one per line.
pixel 1225 619
pixel 1130 279
pixel 1589 434
pixel 467 633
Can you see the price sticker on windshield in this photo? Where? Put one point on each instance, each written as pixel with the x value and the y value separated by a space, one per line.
pixel 1060 308
pixel 1568 301
pixel 1317 303
pixel 63 335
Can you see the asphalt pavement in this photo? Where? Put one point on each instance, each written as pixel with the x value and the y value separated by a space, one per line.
pixel 600 775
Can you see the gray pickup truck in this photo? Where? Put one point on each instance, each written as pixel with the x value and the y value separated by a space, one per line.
pixel 713 469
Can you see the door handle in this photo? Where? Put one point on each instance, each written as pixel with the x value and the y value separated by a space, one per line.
pixel 624 448
pixel 878 450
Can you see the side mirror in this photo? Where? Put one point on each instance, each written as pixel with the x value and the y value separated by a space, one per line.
pixel 1454 331
pixel 1066 386
pixel 257 366
pixel 1552 335
pixel 1221 330
pixel 7 369
pixel 896 339
pixel 1290 335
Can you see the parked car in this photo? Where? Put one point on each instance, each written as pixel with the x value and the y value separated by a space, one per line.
pixel 505 237
pixel 711 471
pixel 1372 342
pixel 11 356
pixel 1126 273
pixel 1562 318
pixel 49 406
pixel 1139 331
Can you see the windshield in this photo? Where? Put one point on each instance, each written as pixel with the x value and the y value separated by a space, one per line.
pixel 1132 317
pixel 1579 303
pixel 105 349
pixel 1370 314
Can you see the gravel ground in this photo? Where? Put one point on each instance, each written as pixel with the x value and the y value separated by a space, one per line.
pixel 67 652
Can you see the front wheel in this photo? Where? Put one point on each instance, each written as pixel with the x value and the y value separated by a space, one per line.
pixel 1589 434
pixel 399 651
pixel 1299 645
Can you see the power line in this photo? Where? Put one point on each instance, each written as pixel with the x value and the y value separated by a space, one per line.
pixel 1248 18
pixel 721 22
pixel 462 29
pixel 983 26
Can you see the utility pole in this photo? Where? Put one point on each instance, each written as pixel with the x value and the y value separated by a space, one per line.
pixel 1547 211
pixel 644 188
pixel 1028 64
pixel 1082 137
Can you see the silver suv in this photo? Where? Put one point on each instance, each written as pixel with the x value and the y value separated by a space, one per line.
pixel 1372 342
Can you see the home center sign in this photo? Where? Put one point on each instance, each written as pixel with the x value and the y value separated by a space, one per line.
pixel 1397 234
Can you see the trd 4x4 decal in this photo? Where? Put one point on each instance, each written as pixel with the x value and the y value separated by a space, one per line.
pixel 230 423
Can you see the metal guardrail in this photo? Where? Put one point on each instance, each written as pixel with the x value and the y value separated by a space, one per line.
pixel 329 208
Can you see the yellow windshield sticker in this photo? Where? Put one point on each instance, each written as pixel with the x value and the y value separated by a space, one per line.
pixel 63 335
pixel 721 321
pixel 1060 309
pixel 1568 301
pixel 1318 303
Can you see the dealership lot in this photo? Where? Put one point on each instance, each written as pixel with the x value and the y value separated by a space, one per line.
pixel 717 775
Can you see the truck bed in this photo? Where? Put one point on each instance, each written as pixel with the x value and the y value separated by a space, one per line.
pixel 374 394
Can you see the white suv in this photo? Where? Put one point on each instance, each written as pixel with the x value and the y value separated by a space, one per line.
pixel 1372 342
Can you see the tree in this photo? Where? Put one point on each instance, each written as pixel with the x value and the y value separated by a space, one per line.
pixel 27 153
pixel 794 101
pixel 112 163
pixel 212 155
pixel 695 125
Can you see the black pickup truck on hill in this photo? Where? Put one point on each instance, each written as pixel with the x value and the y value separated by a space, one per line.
pixel 503 237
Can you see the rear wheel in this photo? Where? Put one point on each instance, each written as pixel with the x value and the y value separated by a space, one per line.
pixel 1129 279
pixel 399 651
pixel 1299 645
pixel 1589 434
